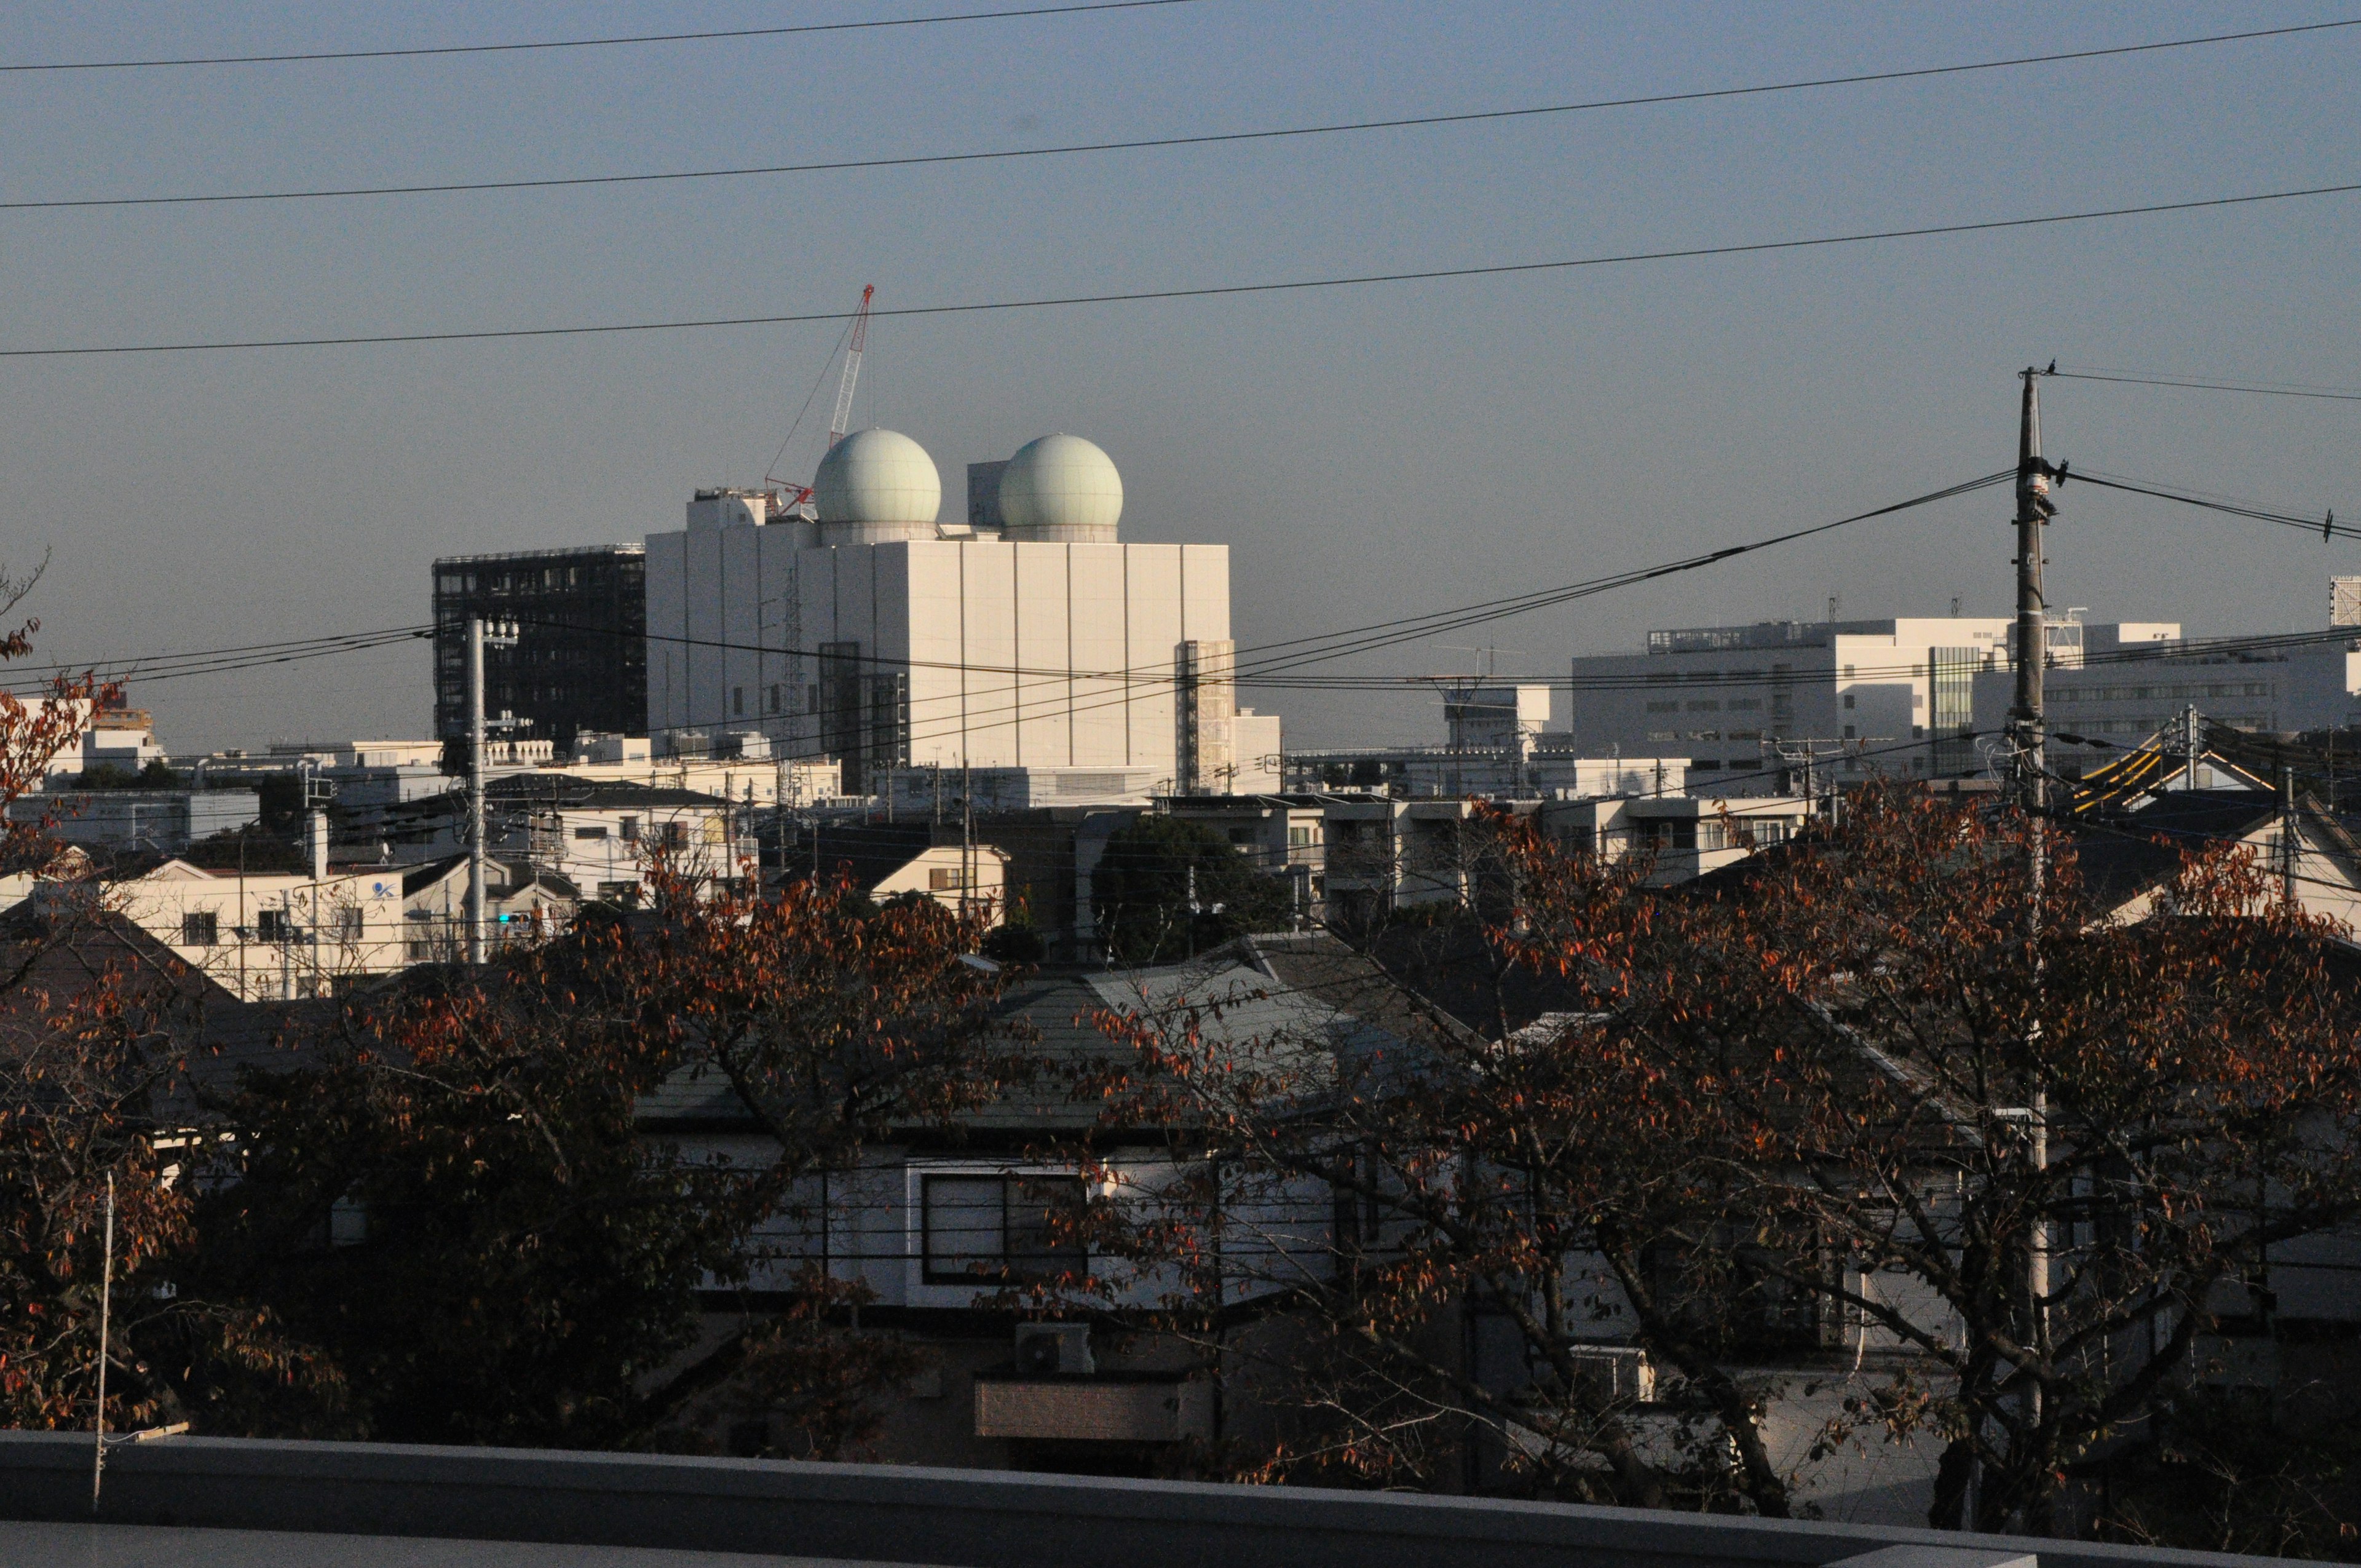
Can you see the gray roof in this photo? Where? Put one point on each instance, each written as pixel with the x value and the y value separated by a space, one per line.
pixel 1238 999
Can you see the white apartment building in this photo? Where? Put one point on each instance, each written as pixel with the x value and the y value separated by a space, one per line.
pixel 880 636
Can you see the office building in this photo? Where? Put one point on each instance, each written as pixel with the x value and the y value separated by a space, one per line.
pixel 580 661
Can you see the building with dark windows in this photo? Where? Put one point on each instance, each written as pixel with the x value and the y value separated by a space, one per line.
pixel 580 662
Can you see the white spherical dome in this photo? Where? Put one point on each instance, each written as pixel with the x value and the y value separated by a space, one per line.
pixel 877 484
pixel 1060 487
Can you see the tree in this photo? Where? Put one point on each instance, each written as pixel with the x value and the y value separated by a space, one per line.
pixel 94 1129
pixel 1166 887
pixel 442 1189
pixel 1777 1112
pixel 448 1189
pixel 1972 1095
pixel 1396 1200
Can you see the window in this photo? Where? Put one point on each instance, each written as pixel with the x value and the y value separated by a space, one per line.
pixel 775 689
pixel 1299 838
pixel 200 928
pixel 738 700
pixel 945 879
pixel 276 926
pixel 1848 734
pixel 347 1223
pixel 1664 708
pixel 1848 700
pixel 593 830
pixel 1242 835
pixel 994 1228
pixel 675 834
pixel 630 831
pixel 349 922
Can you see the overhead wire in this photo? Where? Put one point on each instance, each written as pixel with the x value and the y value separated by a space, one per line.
pixel 2326 526
pixel 424 51
pixel 2259 389
pixel 1144 144
pixel 1203 292
pixel 1354 640
pixel 151 668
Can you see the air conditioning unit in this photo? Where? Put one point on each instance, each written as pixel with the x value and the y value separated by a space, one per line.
pixel 1620 1372
pixel 1054 1350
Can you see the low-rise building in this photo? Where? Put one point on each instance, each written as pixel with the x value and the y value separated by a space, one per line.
pixel 521 905
pixel 136 820
pixel 1685 837
pixel 266 936
pixel 888 860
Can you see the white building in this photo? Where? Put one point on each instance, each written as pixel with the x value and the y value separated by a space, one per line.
pixel 2125 691
pixel 1901 695
pixel 166 821
pixel 599 838
pixel 1500 748
pixel 265 936
pixel 884 637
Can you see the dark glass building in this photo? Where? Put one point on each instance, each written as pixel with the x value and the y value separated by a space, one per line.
pixel 581 658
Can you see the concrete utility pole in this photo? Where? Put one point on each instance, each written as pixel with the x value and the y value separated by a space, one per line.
pixel 2289 843
pixel 503 635
pixel 2026 732
pixel 2033 511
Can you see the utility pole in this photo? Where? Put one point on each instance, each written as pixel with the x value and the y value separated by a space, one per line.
pixel 2188 746
pixel 479 636
pixel 2026 722
pixel 2033 511
pixel 2288 842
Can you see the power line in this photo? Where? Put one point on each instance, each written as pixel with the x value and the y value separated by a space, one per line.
pixel 1143 144
pixel 1503 269
pixel 2326 527
pixel 618 41
pixel 153 668
pixel 1336 644
pixel 2131 378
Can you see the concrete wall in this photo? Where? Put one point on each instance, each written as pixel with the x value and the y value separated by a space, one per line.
pixel 958 1518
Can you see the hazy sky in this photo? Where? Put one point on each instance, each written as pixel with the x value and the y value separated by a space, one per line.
pixel 1364 453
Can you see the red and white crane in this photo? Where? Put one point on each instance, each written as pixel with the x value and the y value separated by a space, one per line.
pixel 799 495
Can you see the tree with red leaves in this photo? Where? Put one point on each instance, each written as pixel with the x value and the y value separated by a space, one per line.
pixel 93 1128
pixel 449 1190
pixel 1770 1119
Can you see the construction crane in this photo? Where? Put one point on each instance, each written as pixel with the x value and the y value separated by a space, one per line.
pixel 797 498
pixel 852 348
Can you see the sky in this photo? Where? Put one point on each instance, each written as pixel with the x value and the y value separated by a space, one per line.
pixel 1365 453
